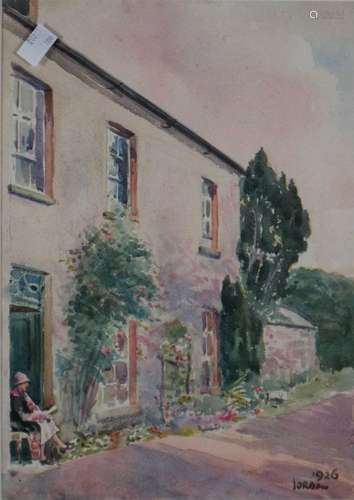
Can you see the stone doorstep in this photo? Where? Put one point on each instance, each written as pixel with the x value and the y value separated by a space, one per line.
pixel 34 468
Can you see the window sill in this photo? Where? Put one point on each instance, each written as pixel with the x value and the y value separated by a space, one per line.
pixel 209 252
pixel 111 216
pixel 31 195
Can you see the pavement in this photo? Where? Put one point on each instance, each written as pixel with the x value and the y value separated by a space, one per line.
pixel 271 458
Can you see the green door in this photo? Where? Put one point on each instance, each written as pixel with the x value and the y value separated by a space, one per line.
pixel 26 349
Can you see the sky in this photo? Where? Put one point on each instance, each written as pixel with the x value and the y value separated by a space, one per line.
pixel 243 75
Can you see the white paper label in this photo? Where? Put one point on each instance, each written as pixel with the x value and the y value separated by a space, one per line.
pixel 37 45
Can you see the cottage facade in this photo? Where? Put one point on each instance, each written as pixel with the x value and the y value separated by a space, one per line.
pixel 75 143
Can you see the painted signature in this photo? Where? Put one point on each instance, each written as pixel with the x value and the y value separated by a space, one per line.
pixel 318 482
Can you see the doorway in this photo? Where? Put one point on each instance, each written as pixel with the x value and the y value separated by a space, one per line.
pixel 26 347
pixel 26 328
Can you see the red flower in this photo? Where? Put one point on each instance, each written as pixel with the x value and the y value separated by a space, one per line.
pixel 228 415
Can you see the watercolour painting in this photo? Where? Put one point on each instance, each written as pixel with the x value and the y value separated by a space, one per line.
pixel 177 250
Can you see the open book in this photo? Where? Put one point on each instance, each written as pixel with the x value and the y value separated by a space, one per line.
pixel 53 409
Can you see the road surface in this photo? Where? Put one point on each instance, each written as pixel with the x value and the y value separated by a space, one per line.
pixel 264 458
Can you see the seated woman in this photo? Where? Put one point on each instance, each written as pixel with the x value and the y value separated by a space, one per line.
pixel 27 417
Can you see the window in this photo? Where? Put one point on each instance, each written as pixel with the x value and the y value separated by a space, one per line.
pixel 121 170
pixel 120 377
pixel 207 190
pixel 32 148
pixel 210 221
pixel 26 287
pixel 25 7
pixel 210 368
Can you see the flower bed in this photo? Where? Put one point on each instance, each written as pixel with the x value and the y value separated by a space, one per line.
pixel 184 415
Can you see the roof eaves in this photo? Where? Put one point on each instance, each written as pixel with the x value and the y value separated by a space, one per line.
pixel 114 85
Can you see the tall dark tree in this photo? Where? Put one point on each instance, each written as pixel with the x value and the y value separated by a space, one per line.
pixel 240 333
pixel 274 230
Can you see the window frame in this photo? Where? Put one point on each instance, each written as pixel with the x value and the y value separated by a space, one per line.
pixel 210 241
pixel 45 158
pixel 132 187
pixel 32 9
pixel 130 359
pixel 207 219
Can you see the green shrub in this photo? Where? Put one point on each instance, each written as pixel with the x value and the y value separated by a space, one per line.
pixel 237 394
pixel 208 404
pixel 278 383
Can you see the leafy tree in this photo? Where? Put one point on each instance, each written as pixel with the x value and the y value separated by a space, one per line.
pixel 327 301
pixel 112 281
pixel 240 333
pixel 274 230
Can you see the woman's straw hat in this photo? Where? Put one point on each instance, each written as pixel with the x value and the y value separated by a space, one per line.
pixel 20 378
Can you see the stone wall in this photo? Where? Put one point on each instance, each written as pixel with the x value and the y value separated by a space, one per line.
pixel 289 350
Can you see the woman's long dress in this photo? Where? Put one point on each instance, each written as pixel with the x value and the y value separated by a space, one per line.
pixel 24 410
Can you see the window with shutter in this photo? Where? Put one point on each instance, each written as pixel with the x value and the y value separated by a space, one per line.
pixel 28 118
pixel 121 170
pixel 206 208
pixel 120 377
pixel 210 223
pixel 32 138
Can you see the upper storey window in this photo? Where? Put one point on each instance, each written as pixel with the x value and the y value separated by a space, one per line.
pixel 210 223
pixel 118 169
pixel 32 147
pixel 121 170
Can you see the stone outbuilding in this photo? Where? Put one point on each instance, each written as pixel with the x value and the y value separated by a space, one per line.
pixel 289 345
